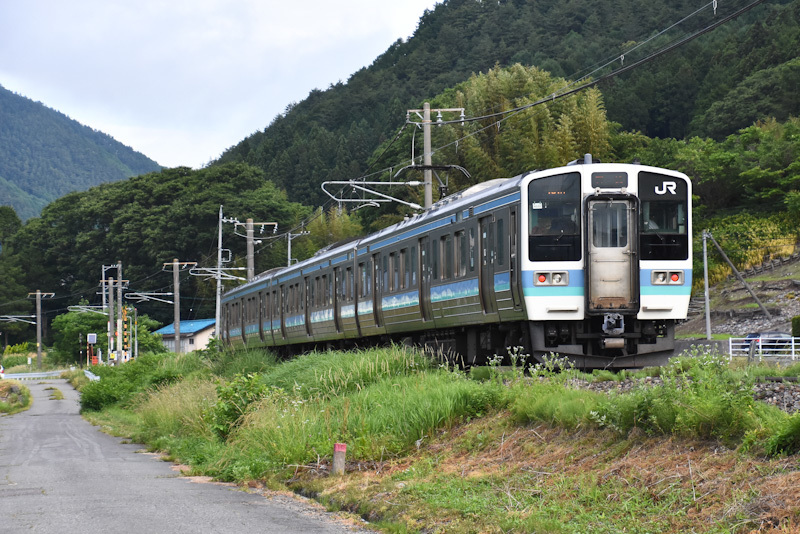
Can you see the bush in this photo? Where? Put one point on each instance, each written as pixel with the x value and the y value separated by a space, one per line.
pixel 10 361
pixel 796 326
pixel 118 385
pixel 700 397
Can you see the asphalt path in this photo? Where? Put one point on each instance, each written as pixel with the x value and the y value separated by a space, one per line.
pixel 60 474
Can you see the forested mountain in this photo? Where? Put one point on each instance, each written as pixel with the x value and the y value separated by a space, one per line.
pixel 727 79
pixel 44 155
pixel 735 88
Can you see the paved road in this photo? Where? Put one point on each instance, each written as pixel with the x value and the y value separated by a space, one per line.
pixel 60 474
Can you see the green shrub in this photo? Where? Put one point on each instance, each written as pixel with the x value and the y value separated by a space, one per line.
pixel 700 397
pixel 119 384
pixel 10 361
pixel 796 326
pixel 21 348
pixel 233 400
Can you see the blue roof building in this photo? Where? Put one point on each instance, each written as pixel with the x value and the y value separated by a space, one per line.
pixel 195 334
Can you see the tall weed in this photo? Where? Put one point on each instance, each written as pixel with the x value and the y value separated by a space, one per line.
pixel 700 397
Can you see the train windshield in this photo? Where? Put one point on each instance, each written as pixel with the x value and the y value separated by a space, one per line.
pixel 664 224
pixel 554 228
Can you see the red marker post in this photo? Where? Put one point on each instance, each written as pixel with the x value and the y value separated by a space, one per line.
pixel 339 453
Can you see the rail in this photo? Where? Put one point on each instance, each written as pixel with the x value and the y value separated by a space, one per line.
pixel 764 347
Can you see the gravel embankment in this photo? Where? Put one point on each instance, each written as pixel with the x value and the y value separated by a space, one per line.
pixel 783 394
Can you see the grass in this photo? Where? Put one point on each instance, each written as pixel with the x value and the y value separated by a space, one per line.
pixel 517 449
pixel 56 394
pixel 14 397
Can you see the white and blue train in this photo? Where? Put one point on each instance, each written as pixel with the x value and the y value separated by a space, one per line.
pixel 591 261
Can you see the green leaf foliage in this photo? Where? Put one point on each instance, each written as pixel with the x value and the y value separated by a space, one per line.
pixel 44 154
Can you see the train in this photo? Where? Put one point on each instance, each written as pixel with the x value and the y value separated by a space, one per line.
pixel 590 261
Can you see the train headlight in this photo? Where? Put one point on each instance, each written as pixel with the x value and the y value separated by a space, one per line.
pixel 672 278
pixel 551 278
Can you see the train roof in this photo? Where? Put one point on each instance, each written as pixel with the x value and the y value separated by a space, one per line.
pixel 468 202
pixel 471 197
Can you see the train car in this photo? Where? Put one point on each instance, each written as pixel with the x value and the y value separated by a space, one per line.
pixel 591 261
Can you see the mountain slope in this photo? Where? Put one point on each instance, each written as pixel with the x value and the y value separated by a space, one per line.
pixel 44 155
pixel 330 134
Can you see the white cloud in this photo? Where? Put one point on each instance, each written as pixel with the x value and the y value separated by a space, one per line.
pixel 183 80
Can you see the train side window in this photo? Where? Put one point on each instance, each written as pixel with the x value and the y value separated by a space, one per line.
pixel 501 241
pixel 394 269
pixel 406 265
pixel 435 259
pixel 461 254
pixel 447 242
pixel 385 273
pixel 472 249
pixel 414 266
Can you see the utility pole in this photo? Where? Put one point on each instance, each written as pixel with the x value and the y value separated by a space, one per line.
pixel 120 352
pixel 176 289
pixel 705 278
pixel 289 237
pixel 39 296
pixel 176 267
pixel 427 154
pixel 111 322
pixel 251 269
pixel 218 276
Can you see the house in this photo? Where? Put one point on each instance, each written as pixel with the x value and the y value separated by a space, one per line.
pixel 195 335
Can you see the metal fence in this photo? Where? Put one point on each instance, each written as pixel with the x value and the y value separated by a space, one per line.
pixel 33 376
pixel 764 347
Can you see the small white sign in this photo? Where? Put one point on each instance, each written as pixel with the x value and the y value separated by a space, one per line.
pixel 91 339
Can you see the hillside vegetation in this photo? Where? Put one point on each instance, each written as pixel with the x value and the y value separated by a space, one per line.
pixel 44 155
pixel 745 177
pixel 744 71
pixel 430 449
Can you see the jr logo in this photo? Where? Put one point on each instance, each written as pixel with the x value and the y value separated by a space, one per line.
pixel 667 186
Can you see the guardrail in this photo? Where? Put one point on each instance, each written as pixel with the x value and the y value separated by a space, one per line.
pixel 34 376
pixel 90 375
pixel 764 347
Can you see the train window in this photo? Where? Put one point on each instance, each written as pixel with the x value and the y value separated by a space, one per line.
pixel 610 228
pixel 446 243
pixel 554 218
pixel 385 273
pixel 472 249
pixel 413 262
pixel 461 254
pixel 664 221
pixel 394 261
pixel 406 265
pixel 501 241
pixel 435 260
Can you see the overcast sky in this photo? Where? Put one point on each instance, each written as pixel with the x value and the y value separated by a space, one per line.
pixel 183 80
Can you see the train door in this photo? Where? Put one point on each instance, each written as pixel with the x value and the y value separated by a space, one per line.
pixel 486 247
pixel 612 278
pixel 425 279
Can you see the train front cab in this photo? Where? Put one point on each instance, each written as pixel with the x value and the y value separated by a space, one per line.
pixel 607 263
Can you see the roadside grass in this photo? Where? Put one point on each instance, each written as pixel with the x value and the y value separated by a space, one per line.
pixel 56 394
pixel 431 448
pixel 14 397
